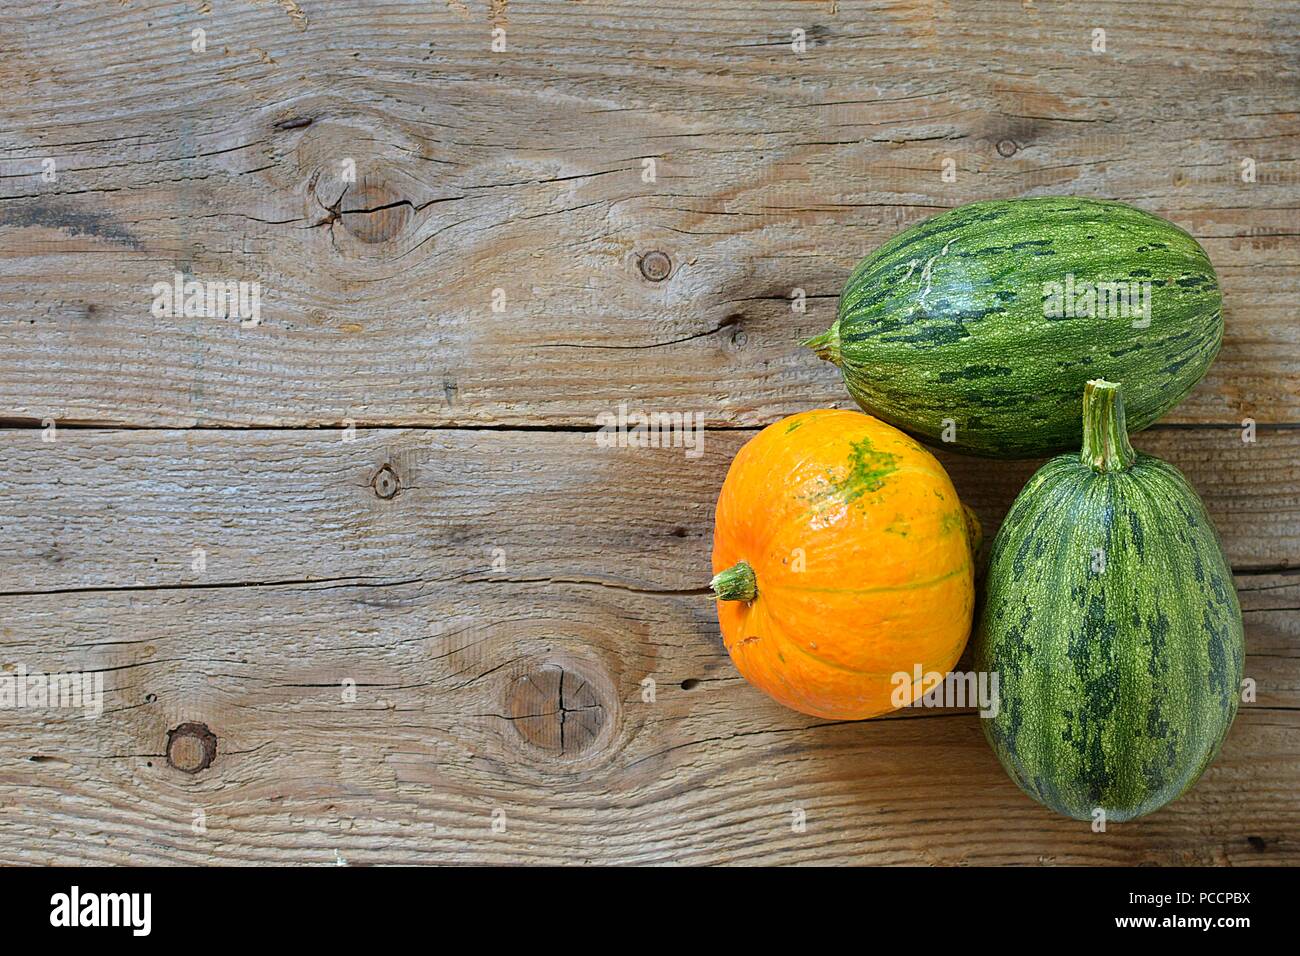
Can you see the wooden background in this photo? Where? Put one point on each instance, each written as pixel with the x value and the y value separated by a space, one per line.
pixel 497 586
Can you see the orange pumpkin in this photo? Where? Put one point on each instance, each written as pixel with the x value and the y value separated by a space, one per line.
pixel 842 557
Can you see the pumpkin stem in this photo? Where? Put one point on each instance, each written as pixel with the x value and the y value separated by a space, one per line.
pixel 737 583
pixel 1105 434
pixel 827 345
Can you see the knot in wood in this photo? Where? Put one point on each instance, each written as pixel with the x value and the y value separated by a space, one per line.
pixel 373 213
pixel 191 747
pixel 386 483
pixel 556 709
pixel 656 266
pixel 1007 148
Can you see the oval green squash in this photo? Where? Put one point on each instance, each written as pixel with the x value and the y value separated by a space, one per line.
pixel 1112 621
pixel 979 327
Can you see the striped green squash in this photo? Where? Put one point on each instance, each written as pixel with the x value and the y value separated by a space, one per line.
pixel 1111 619
pixel 980 327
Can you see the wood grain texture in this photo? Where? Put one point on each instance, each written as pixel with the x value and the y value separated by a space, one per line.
pixel 499 616
pixel 523 171
pixel 433 639
pixel 111 508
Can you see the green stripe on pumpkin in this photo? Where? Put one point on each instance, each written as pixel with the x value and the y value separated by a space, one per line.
pixel 1119 675
pixel 946 322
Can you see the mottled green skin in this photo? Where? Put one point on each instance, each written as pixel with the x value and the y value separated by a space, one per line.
pixel 1116 687
pixel 976 347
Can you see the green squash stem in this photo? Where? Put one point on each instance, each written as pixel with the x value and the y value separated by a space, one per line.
pixel 827 345
pixel 1105 434
pixel 737 583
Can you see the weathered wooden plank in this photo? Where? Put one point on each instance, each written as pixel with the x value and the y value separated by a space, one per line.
pixel 528 700
pixel 150 508
pixel 523 172
pixel 521 689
